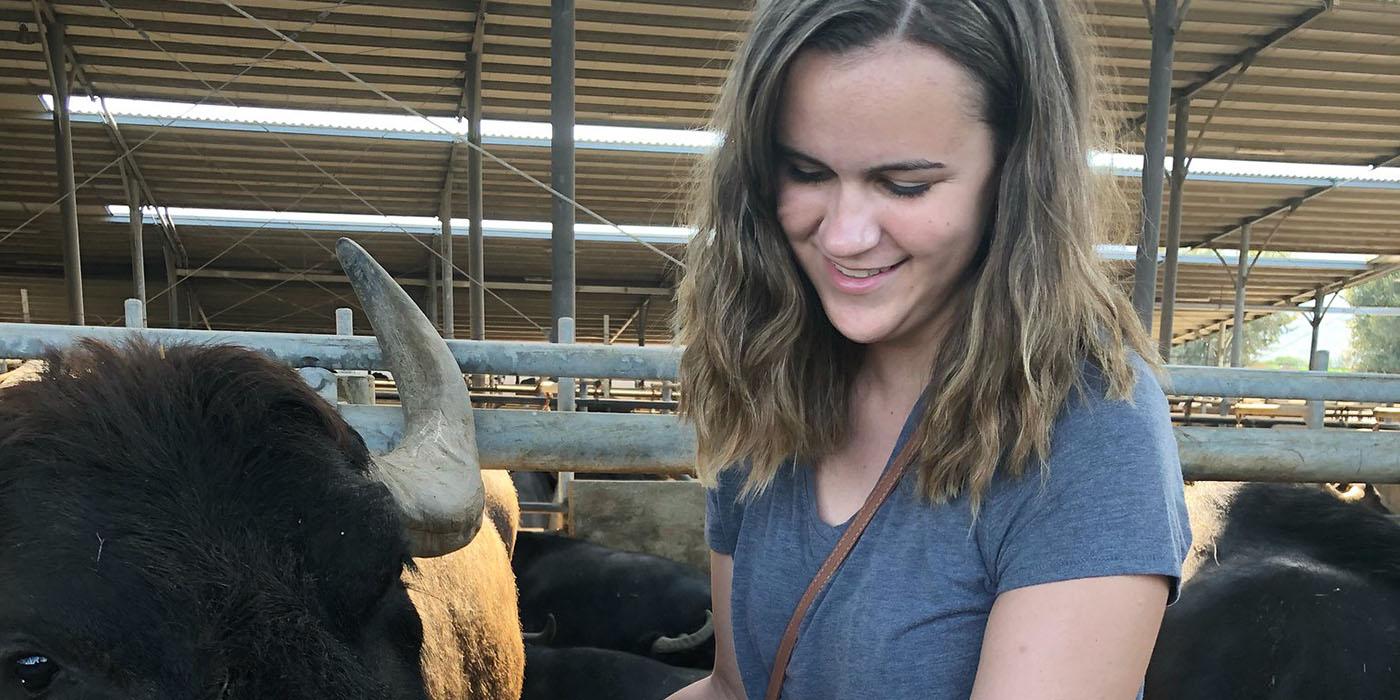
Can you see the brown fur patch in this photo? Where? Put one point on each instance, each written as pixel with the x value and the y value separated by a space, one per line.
pixel 472 643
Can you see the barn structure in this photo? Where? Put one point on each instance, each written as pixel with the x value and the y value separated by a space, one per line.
pixel 209 152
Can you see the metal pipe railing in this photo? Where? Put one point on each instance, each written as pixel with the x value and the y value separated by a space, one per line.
pixel 27 341
pixel 664 444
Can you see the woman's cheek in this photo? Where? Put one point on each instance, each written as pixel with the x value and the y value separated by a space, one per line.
pixel 799 213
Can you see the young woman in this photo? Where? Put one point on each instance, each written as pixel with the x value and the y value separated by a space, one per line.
pixel 898 246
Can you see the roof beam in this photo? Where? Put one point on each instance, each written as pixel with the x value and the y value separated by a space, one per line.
pixel 1240 59
pixel 502 285
pixel 1292 204
pixel 1382 268
pixel 114 134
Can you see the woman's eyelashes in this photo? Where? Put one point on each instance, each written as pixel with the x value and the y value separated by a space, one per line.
pixel 800 174
pixel 808 175
pixel 906 190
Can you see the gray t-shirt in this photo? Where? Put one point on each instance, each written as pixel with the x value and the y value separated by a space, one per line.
pixel 905 615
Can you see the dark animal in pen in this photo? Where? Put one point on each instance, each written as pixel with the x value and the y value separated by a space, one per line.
pixel 584 673
pixel 610 599
pixel 195 522
pixel 1291 594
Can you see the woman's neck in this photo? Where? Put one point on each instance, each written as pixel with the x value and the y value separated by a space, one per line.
pixel 898 369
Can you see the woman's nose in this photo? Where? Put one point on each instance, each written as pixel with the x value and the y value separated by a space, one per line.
pixel 850 226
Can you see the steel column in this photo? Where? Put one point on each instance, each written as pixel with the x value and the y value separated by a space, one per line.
pixel 607 340
pixel 24 304
pixel 642 323
pixel 1179 137
pixel 1316 323
pixel 561 170
pixel 1241 282
pixel 566 404
pixel 476 258
pixel 138 246
pixel 172 289
pixel 354 384
pixel 67 190
pixel 135 313
pixel 1159 90
pixel 449 326
pixel 1317 409
pixel 430 294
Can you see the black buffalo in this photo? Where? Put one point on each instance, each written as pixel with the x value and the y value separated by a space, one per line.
pixel 194 522
pixel 1293 595
pixel 610 599
pixel 583 673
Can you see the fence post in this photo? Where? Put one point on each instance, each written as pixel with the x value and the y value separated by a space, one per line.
pixel 321 381
pixel 355 384
pixel 560 520
pixel 1317 409
pixel 135 314
pixel 607 340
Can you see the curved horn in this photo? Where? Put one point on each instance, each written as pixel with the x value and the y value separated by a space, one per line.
pixel 546 635
pixel 434 474
pixel 686 642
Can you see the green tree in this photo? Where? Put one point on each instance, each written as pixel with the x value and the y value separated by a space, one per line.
pixel 1259 335
pixel 1375 340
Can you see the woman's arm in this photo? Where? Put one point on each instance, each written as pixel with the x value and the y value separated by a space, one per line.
pixel 723 683
pixel 1086 639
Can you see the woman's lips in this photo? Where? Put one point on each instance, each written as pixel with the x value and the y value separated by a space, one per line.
pixel 860 280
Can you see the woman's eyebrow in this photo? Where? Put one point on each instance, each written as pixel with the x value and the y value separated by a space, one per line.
pixel 791 153
pixel 906 165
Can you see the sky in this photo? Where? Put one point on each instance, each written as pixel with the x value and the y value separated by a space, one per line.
pixel 1297 337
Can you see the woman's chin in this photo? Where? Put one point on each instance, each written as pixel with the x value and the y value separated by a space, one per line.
pixel 863 331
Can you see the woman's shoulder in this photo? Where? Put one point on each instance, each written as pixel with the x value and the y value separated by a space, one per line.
pixel 1107 439
pixel 1092 405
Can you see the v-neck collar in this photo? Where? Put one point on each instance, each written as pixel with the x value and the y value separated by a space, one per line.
pixel 807 489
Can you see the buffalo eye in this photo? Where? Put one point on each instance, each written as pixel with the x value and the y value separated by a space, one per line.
pixel 34 672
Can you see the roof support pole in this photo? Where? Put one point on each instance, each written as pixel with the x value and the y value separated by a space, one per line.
pixel 1179 136
pixel 24 304
pixel 138 245
pixel 1159 90
pixel 476 257
pixel 1317 409
pixel 1241 283
pixel 63 152
pixel 430 294
pixel 445 254
pixel 561 170
pixel 1316 321
pixel 172 289
pixel 642 323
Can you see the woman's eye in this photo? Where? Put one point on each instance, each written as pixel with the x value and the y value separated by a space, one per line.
pixel 800 175
pixel 33 672
pixel 909 190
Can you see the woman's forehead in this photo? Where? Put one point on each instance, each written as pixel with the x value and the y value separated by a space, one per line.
pixel 878 104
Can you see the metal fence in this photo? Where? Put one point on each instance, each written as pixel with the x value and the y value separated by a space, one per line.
pixel 597 442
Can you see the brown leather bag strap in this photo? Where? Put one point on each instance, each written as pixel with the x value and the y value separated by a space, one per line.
pixel 883 488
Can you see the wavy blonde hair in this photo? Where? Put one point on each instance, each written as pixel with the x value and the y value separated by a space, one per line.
pixel 767 378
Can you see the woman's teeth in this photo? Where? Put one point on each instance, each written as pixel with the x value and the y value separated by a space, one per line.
pixel 862 274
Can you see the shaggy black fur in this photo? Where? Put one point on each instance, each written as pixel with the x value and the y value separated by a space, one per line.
pixel 610 599
pixel 582 673
pixel 1303 603
pixel 194 522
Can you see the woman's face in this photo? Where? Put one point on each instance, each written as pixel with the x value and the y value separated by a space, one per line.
pixel 886 179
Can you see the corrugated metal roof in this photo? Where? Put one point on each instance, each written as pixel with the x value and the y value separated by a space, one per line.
pixel 1322 85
